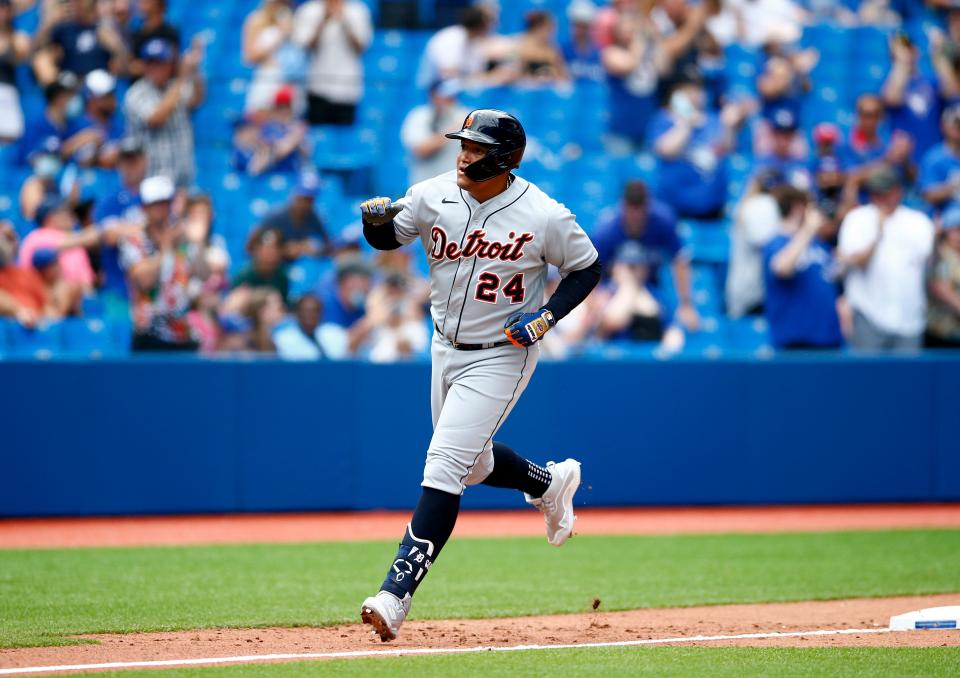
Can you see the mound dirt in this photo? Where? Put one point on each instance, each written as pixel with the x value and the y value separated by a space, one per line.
pixel 675 624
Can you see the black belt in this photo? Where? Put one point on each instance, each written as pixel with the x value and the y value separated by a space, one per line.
pixel 471 347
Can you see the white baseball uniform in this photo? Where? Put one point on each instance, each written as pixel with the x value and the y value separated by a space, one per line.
pixel 487 261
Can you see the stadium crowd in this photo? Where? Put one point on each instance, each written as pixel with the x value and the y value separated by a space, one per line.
pixel 843 234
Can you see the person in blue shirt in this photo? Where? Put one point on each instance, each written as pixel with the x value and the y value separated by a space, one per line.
pixel 801 304
pixel 56 121
pixel 782 159
pixel 940 170
pixel 81 43
pixel 118 212
pixel 345 303
pixel 580 51
pixel 911 97
pixel 95 134
pixel 652 224
pixel 691 144
pixel 870 146
pixel 629 62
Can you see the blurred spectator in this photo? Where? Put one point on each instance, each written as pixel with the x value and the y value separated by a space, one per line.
pixel 681 25
pixel 691 144
pixel 308 339
pixel 266 267
pixel 158 109
pixel 64 297
pixel 14 49
pixel 725 21
pixel 801 304
pixel 62 106
pixel 756 222
pixel 653 225
pixel 580 51
pixel 610 15
pixel 268 49
pixel 782 85
pixel 271 140
pixel 829 173
pixel 578 326
pixel 870 147
pixel 911 96
pixel 267 310
pixel 940 170
pixel 632 312
pixel 885 247
pixel 210 248
pixel 424 128
pixel 344 303
pixel 770 21
pixel 23 294
pixel 74 37
pixel 95 135
pixel 119 214
pixel 538 56
pixel 394 322
pixel 164 279
pixel 235 334
pixel 629 61
pixel 55 230
pixel 46 167
pixel 457 51
pixel 335 33
pixel 303 233
pixel 943 285
pixel 783 158
pixel 154 26
pixel 945 55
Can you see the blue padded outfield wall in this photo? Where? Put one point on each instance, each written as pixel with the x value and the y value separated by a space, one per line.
pixel 159 436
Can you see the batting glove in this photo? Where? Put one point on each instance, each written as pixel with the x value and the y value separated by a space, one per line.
pixel 525 329
pixel 379 211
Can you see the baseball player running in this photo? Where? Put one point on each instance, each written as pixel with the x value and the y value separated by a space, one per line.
pixel 489 236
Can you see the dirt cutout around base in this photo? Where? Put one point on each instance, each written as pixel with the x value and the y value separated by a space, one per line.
pixel 593 627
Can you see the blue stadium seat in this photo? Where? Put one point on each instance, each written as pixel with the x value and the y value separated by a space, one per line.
pixel 41 342
pixel 87 338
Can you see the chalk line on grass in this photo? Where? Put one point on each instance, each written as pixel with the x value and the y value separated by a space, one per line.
pixel 167 663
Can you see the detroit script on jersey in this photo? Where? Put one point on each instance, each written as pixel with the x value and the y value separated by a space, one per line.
pixel 490 259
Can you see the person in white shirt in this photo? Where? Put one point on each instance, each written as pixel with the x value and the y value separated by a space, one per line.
pixel 424 130
pixel 757 221
pixel 335 33
pixel 885 247
pixel 458 51
pixel 308 339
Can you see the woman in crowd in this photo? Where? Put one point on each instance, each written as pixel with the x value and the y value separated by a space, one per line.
pixel 267 48
pixel 539 58
pixel 14 49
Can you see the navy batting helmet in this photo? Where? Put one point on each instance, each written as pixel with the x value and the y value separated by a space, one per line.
pixel 504 136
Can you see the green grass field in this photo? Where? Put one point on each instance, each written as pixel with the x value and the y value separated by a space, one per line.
pixel 45 594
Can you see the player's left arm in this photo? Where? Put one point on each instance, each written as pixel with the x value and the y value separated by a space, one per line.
pixel 568 248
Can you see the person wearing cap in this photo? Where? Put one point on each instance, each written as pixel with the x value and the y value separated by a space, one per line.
pixel 580 51
pixel 335 34
pixel 154 25
pixel 943 285
pixel 94 135
pixel 273 140
pixel 65 297
pixel 632 312
pixel 78 43
pixel 940 169
pixel 303 232
pixel 800 277
pixel 653 224
pixel 266 267
pixel 424 129
pixel 911 97
pixel 46 166
pixel 691 144
pixel 828 169
pixel 14 50
pixel 884 247
pixel 165 275
pixel 158 107
pixel 55 230
pixel 57 116
pixel 782 85
pixel 782 157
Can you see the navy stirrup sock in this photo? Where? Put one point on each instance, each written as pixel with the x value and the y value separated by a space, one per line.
pixel 512 471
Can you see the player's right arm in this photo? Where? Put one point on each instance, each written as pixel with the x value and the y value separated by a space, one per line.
pixel 388 225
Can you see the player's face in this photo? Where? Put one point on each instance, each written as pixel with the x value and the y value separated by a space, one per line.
pixel 470 152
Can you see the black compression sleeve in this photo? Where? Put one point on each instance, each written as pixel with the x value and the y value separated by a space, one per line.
pixel 573 289
pixel 381 237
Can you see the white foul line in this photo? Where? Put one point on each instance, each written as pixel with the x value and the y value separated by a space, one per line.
pixel 165 663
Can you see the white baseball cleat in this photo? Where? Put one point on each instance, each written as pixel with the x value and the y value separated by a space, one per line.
pixel 385 613
pixel 556 504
